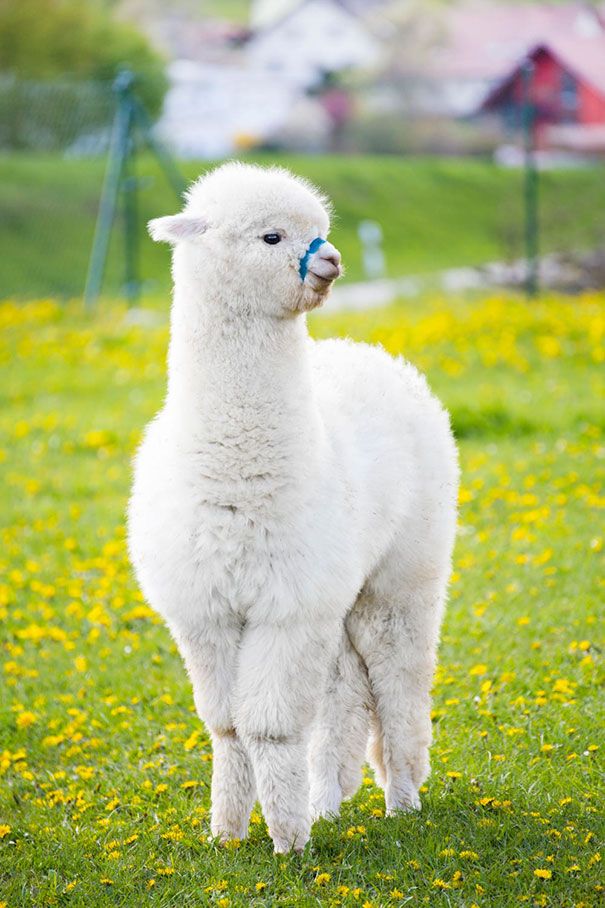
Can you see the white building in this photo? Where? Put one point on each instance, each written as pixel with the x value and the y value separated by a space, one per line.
pixel 304 39
pixel 251 93
pixel 212 110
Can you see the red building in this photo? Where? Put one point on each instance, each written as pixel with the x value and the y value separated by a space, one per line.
pixel 566 90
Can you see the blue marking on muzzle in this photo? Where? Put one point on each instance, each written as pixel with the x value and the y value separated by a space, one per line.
pixel 304 262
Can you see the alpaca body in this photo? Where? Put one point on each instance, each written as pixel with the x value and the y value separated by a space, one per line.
pixel 234 532
pixel 292 519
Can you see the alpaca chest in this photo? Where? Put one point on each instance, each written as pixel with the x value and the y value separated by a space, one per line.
pixel 231 561
pixel 199 561
pixel 194 559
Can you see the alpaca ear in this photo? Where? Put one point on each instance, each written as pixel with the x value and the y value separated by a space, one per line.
pixel 176 227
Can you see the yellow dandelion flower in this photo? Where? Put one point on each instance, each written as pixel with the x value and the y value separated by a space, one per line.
pixel 26 718
pixel 322 878
pixel 191 740
pixel 543 874
pixel 440 884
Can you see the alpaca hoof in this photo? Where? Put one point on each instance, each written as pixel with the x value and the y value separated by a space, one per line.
pixel 324 813
pixel 294 843
pixel 326 805
pixel 285 849
pixel 405 800
pixel 225 834
pixel 325 810
pixel 405 807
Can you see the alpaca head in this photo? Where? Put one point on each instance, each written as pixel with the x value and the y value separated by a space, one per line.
pixel 252 239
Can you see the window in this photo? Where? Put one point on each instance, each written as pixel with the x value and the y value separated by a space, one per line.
pixel 569 96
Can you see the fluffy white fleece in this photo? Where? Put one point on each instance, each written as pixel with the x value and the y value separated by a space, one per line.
pixel 292 516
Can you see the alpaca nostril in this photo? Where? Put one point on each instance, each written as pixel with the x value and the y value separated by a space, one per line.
pixel 330 254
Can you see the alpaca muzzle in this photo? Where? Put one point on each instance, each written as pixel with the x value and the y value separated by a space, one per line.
pixel 322 260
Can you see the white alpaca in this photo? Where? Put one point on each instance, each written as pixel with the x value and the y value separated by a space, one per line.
pixel 292 516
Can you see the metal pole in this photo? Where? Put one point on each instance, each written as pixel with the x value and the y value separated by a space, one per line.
pixel 117 153
pixel 172 174
pixel 132 283
pixel 120 176
pixel 532 250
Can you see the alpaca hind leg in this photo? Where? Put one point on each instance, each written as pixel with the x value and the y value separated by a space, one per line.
pixel 397 637
pixel 210 656
pixel 340 734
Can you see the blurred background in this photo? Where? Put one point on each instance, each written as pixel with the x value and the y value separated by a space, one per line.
pixel 456 137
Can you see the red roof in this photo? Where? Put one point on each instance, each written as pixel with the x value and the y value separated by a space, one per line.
pixel 573 57
pixel 584 58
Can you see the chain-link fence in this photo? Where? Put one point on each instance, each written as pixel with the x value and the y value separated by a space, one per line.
pixel 55 139
pixel 70 117
pixel 435 213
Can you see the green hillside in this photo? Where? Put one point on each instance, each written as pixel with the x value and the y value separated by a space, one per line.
pixel 434 213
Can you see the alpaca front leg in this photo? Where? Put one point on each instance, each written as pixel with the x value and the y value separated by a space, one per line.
pixel 280 681
pixel 210 655
pixel 283 788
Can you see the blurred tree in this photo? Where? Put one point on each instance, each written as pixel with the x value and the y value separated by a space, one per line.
pixel 48 39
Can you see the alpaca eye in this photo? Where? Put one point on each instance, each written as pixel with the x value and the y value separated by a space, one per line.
pixel 272 238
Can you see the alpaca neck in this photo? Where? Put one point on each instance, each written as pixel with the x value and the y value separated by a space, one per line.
pixel 241 389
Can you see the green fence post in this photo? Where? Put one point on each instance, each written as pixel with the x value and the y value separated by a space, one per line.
pixel 132 283
pixel 165 160
pixel 118 151
pixel 120 177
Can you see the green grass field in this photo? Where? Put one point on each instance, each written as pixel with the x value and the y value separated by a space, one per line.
pixel 105 767
pixel 435 214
